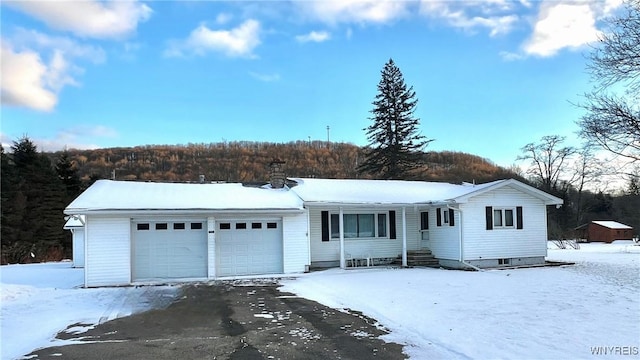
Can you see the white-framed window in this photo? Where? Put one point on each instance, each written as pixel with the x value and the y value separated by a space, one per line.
pixel 360 225
pixel 504 217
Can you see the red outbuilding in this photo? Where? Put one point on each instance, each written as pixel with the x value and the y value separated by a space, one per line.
pixel 605 231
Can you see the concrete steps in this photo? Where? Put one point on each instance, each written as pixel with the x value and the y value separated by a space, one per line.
pixel 422 258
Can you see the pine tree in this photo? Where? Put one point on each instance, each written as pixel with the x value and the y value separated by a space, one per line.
pixel 68 174
pixel 395 144
pixel 33 204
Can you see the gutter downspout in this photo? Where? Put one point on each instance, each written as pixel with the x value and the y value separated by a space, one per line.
pixel 461 260
pixel 342 261
pixel 309 239
pixel 86 253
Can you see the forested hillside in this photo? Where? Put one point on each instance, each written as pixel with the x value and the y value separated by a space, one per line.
pixel 249 162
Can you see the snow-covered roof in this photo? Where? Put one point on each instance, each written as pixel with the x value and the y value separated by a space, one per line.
pixel 612 224
pixel 334 191
pixel 75 221
pixel 381 191
pixel 108 195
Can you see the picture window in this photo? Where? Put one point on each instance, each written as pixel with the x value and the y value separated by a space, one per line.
pixel 359 225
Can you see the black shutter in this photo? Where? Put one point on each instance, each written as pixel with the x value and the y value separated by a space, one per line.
pixel 489 211
pixel 451 217
pixel 438 217
pixel 325 225
pixel 519 217
pixel 392 224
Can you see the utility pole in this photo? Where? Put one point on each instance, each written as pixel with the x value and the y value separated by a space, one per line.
pixel 328 134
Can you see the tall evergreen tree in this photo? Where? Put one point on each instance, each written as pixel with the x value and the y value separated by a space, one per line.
pixel 395 143
pixel 68 174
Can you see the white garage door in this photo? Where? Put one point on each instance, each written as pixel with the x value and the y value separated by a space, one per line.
pixel 248 247
pixel 169 249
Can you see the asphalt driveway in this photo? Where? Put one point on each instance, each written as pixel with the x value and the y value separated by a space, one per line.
pixel 232 320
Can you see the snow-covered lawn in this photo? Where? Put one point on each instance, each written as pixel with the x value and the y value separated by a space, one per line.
pixel 540 313
pixel 40 300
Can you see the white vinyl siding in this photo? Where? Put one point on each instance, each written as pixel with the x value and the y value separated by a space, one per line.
pixel 444 240
pixel 108 251
pixel 505 242
pixel 78 247
pixel 295 243
pixel 211 247
pixel 322 251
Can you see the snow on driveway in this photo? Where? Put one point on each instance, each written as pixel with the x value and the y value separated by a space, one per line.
pixel 537 313
pixel 562 312
pixel 40 300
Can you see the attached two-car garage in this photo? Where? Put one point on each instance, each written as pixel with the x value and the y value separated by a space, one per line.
pixel 178 249
pixel 140 232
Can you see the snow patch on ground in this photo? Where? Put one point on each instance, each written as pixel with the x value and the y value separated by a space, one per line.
pixel 43 299
pixel 554 312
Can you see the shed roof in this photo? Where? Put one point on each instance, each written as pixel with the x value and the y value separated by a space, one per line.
pixel 612 224
pixel 108 195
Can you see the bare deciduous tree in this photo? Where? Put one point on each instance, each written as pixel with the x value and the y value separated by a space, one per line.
pixel 548 161
pixel 613 120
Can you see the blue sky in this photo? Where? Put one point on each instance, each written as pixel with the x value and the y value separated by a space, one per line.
pixel 490 76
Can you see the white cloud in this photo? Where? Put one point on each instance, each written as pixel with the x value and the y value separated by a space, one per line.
pixel 33 82
pixel 236 42
pixel 511 56
pixel 562 25
pixel 27 81
pixel 314 36
pixel 74 138
pixel 265 77
pixel 87 18
pixel 497 16
pixel 223 18
pixel 69 47
pixel 354 11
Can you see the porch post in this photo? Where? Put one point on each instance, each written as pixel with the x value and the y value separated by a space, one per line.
pixel 404 236
pixel 341 222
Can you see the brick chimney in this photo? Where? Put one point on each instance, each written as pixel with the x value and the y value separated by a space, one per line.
pixel 276 176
